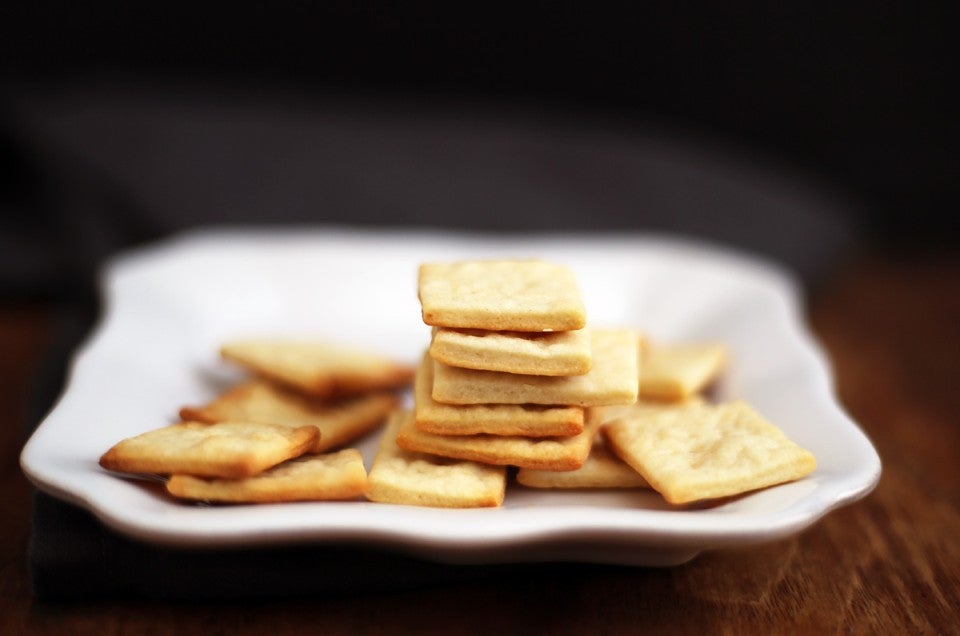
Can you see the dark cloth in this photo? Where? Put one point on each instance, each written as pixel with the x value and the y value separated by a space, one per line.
pixel 73 557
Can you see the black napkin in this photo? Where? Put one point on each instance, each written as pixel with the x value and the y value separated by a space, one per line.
pixel 73 557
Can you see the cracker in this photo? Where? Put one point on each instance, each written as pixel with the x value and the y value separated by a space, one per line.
pixel 603 469
pixel 501 295
pixel 552 353
pixel 317 368
pixel 339 422
pixel 613 379
pixel 225 449
pixel 706 452
pixel 640 408
pixel 404 477
pixel 549 453
pixel 677 371
pixel 495 419
pixel 339 475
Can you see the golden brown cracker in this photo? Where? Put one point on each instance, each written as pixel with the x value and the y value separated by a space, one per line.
pixel 494 419
pixel 677 371
pixel 501 295
pixel 549 453
pixel 225 449
pixel 318 368
pixel 602 469
pixel 613 379
pixel 641 407
pixel 404 477
pixel 557 353
pixel 339 421
pixel 706 452
pixel 333 476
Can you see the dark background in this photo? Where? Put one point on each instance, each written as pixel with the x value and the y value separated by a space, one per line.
pixel 853 97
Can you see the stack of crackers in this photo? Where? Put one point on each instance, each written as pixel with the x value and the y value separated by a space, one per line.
pixel 511 369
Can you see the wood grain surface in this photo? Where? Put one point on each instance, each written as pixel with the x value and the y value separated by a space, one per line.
pixel 887 564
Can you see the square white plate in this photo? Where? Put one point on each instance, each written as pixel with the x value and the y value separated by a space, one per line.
pixel 168 308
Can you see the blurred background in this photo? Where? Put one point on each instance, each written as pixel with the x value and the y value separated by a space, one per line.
pixel 800 132
pixel 823 136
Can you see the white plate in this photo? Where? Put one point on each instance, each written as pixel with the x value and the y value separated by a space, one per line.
pixel 170 306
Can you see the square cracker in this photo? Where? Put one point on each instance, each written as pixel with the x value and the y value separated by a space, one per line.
pixel 677 371
pixel 549 453
pixel 404 477
pixel 495 419
pixel 225 449
pixel 613 379
pixel 501 295
pixel 528 353
pixel 602 469
pixel 706 452
pixel 640 408
pixel 318 368
pixel 339 475
pixel 339 421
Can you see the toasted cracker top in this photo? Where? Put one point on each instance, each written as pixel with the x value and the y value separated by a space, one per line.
pixel 225 449
pixel 613 379
pixel 501 295
pixel 318 368
pixel 530 353
pixel 677 371
pixel 339 421
pixel 707 451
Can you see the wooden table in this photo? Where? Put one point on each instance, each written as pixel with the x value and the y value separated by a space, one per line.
pixel 888 564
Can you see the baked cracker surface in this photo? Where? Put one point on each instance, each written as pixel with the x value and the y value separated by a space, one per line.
pixel 404 477
pixel 552 353
pixel 707 451
pixel 332 476
pixel 613 379
pixel 677 371
pixel 549 453
pixel 602 469
pixel 339 421
pixel 494 419
pixel 501 295
pixel 318 368
pixel 224 449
